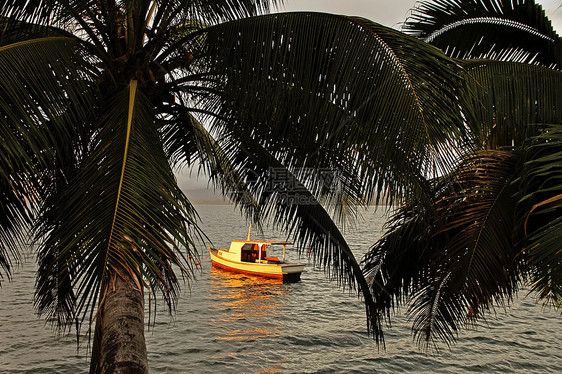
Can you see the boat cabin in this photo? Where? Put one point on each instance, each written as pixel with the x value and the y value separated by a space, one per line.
pixel 253 251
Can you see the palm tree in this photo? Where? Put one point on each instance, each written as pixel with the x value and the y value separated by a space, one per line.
pixel 492 224
pixel 296 117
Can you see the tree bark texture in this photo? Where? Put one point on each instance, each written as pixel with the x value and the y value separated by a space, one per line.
pixel 122 346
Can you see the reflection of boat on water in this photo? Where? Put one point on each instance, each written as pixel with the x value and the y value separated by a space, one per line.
pixel 246 307
pixel 251 257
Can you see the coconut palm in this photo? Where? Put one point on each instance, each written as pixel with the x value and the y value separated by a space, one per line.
pixel 492 224
pixel 296 117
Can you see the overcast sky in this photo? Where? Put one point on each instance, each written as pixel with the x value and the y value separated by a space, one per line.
pixel 387 12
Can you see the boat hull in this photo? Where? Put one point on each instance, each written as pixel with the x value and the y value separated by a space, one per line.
pixel 288 272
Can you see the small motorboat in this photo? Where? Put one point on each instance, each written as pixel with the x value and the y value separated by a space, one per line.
pixel 252 257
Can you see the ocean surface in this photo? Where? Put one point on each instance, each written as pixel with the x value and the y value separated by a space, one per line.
pixel 227 323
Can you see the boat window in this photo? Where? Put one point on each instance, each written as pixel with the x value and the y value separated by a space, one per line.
pixel 247 254
pixel 255 253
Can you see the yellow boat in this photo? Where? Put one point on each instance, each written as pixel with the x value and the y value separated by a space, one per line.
pixel 251 257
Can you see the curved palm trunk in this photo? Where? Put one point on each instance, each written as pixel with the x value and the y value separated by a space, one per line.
pixel 119 343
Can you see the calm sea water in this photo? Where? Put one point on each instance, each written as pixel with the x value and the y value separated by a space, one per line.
pixel 228 323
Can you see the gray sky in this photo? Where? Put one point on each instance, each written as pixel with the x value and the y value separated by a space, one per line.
pixel 386 12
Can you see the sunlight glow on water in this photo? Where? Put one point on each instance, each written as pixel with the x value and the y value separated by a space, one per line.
pixel 231 323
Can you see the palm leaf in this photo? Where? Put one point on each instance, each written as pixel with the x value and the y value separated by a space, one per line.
pixel 39 79
pixel 163 23
pixel 187 141
pixel 397 263
pixel 480 257
pixel 15 30
pixel 540 208
pixel 286 108
pixel 16 217
pixel 45 90
pixel 34 11
pixel 510 96
pixel 216 11
pixel 122 210
pixel 377 105
pixel 503 30
pixel 450 263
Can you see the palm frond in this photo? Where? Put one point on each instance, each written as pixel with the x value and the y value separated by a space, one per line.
pixel 167 23
pixel 15 30
pixel 40 78
pixel 545 262
pixel 45 89
pixel 480 258
pixel 345 91
pixel 451 262
pixel 503 30
pixel 187 142
pixel 510 96
pixel 122 210
pixel 541 211
pixel 215 11
pixel 34 11
pixel 398 262
pixel 15 221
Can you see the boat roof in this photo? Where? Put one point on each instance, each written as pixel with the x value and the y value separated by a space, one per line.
pixel 261 242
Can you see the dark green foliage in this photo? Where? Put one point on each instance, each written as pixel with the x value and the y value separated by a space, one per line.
pixel 509 97
pixel 333 102
pixel 449 261
pixel 504 30
pixel 541 213
pixel 491 225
